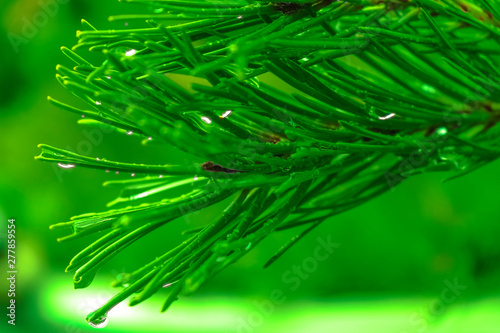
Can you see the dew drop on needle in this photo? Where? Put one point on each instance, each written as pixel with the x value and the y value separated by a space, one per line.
pixel 65 166
pixel 99 324
pixel 206 120
pixel 389 116
pixel 130 53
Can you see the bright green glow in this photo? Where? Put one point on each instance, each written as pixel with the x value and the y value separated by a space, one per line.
pixel 428 88
pixel 442 131
pixel 199 315
pixel 222 314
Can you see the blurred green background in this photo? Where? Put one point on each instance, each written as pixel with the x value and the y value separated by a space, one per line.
pixel 423 258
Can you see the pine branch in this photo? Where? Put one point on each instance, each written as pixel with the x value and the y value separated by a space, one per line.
pixel 383 90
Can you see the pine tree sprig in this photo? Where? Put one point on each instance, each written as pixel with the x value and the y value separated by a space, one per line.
pixel 369 94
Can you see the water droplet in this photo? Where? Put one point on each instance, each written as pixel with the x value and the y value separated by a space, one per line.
pixel 150 138
pixel 100 323
pixel 126 24
pixel 130 52
pixel 240 17
pixel 107 171
pixel 132 175
pixel 83 116
pixel 195 177
pixel 160 176
pixel 116 172
pixel 248 246
pixel 166 285
pixel 65 166
pixel 206 120
pixel 97 159
pixel 159 10
pixel 130 132
pixel 98 102
pixel 305 59
pixel 226 114
pixel 108 77
pixel 389 116
pixel 442 131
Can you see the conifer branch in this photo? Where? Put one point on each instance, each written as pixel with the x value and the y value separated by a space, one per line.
pixel 376 91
